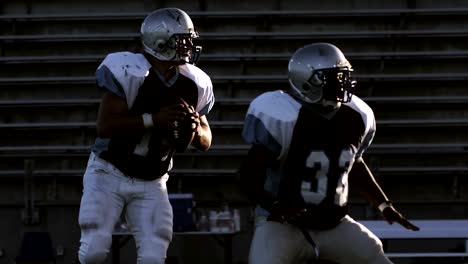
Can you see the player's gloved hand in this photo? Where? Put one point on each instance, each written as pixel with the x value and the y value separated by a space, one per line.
pixel 170 116
pixel 185 130
pixel 286 214
pixel 392 215
pixel 193 116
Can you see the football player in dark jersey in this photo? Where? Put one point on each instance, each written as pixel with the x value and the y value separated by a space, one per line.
pixel 154 104
pixel 306 151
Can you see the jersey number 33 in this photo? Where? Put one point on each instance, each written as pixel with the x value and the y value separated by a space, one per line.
pixel 314 189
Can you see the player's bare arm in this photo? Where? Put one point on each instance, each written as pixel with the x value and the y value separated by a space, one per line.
pixel 253 173
pixel 362 179
pixel 203 136
pixel 114 119
pixel 252 179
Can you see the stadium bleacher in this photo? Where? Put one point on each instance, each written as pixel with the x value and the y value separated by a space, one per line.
pixel 409 63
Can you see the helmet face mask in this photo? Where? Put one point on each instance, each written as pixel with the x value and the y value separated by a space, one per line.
pixel 335 84
pixel 185 50
pixel 319 73
pixel 167 34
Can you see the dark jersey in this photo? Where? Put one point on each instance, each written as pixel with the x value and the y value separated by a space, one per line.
pixel 130 76
pixel 315 152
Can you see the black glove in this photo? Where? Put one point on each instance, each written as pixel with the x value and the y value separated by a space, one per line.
pixel 392 215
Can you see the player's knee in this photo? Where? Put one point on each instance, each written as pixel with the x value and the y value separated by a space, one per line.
pixel 94 250
pixel 380 259
pixel 378 256
pixel 151 259
pixel 153 251
pixel 92 256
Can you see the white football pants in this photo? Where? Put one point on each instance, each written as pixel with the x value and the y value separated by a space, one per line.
pixel 106 192
pixel 348 243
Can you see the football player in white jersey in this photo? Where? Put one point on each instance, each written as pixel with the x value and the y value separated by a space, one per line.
pixel 306 152
pixel 154 104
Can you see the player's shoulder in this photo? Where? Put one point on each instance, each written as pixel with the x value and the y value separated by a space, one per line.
pixel 360 106
pixel 275 104
pixel 365 112
pixel 196 74
pixel 126 62
pixel 269 99
pixel 123 57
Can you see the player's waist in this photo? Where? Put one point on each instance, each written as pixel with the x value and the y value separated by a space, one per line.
pixel 317 217
pixel 134 166
pixel 324 217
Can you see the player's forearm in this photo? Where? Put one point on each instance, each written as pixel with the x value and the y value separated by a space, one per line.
pixel 114 120
pixel 120 126
pixel 253 175
pixel 362 179
pixel 252 185
pixel 203 137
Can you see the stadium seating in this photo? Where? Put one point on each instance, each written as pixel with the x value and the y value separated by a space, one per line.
pixel 409 63
pixel 432 229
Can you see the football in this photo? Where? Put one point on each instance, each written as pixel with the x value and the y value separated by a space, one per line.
pixel 184 133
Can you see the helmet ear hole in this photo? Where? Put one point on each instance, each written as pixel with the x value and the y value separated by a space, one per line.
pixel 317 78
pixel 306 86
pixel 160 44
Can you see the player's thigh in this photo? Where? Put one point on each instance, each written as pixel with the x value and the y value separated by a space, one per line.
pixel 351 242
pixel 150 218
pixel 101 204
pixel 275 243
pixel 100 208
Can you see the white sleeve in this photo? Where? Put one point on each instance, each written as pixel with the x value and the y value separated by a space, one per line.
pixel 270 122
pixel 123 73
pixel 369 123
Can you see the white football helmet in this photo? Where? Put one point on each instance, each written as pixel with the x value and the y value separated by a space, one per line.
pixel 167 35
pixel 320 73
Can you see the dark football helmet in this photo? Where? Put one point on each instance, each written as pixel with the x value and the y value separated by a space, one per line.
pixel 320 72
pixel 167 34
